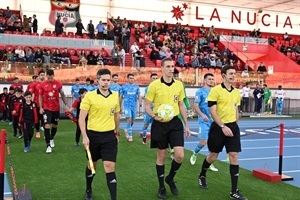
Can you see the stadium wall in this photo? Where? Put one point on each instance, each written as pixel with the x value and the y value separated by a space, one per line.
pixel 172 11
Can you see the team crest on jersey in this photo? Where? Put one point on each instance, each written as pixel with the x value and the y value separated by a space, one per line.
pixel 175 98
pixel 20 100
pixel 112 111
pixel 54 86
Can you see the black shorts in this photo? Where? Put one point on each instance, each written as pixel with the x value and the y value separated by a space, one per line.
pixel 163 134
pixel 51 117
pixel 103 145
pixel 217 140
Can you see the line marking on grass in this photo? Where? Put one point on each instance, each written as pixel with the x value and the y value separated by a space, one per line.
pixel 258 140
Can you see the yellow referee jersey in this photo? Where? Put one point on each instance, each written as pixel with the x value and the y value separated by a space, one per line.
pixel 101 110
pixel 160 92
pixel 227 102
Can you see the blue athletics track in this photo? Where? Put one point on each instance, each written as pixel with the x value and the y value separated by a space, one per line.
pixel 260 144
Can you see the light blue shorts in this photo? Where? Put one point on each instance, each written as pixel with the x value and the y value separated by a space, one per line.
pixel 203 130
pixel 130 113
pixel 147 119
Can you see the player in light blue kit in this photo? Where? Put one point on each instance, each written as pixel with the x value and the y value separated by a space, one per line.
pixel 130 92
pixel 75 89
pixel 114 86
pixel 147 118
pixel 204 118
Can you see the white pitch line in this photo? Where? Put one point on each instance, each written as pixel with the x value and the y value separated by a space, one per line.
pixel 291 171
pixel 258 140
pixel 265 158
pixel 270 147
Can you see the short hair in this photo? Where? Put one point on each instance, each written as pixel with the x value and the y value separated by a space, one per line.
pixel 16 78
pixel 128 75
pixel 27 93
pixel 92 82
pixel 5 88
pixel 165 60
pixel 77 79
pixel 18 90
pixel 82 90
pixel 34 76
pixel 103 72
pixel 265 85
pixel 41 72
pixel 115 75
pixel 176 71
pixel 226 68
pixel 50 72
pixel 11 88
pixel 153 74
pixel 207 75
pixel 88 79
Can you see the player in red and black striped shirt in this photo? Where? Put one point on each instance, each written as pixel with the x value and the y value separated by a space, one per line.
pixel 14 107
pixel 28 117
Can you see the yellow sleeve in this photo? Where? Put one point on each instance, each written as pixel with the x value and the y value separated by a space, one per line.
pixel 151 92
pixel 213 95
pixel 182 92
pixel 85 103
pixel 238 98
pixel 118 103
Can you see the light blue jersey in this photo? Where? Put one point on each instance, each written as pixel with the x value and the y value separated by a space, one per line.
pixel 130 94
pixel 115 87
pixel 201 99
pixel 75 91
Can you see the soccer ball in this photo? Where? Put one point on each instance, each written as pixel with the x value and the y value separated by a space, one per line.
pixel 166 112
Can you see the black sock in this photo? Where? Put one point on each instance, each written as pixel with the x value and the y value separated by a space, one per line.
pixel 160 170
pixel 174 167
pixel 47 136
pixel 234 173
pixel 89 179
pixel 205 166
pixel 53 132
pixel 111 181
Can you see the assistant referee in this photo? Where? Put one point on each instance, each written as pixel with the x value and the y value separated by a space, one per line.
pixel 102 108
pixel 223 102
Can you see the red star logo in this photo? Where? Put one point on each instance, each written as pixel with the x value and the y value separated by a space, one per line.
pixel 185 6
pixel 177 13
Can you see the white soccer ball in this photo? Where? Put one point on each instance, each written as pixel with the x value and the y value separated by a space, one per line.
pixel 166 112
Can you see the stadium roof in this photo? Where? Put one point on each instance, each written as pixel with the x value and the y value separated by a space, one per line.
pixel 280 6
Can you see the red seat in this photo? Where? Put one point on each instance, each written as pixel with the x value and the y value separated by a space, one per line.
pixel 35 34
pixel 52 50
pixel 187 59
pixel 72 52
pixel 70 34
pixel 96 53
pixel 26 33
pixel 7 47
pixel 78 36
pixel 7 32
pixel 74 59
pixel 157 63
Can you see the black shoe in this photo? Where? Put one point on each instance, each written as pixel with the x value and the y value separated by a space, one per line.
pixel 88 195
pixel 172 185
pixel 202 182
pixel 237 195
pixel 162 193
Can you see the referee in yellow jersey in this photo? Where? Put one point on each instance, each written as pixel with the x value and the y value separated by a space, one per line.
pixel 166 90
pixel 102 108
pixel 223 102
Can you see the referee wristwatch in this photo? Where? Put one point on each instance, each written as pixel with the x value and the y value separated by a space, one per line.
pixel 222 126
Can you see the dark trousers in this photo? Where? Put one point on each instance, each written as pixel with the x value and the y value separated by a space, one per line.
pixel 258 105
pixel 245 107
pixel 40 121
pixel 27 132
pixel 9 115
pixel 4 113
pixel 34 29
pixel 78 133
pixel 100 36
pixel 92 35
pixel 16 126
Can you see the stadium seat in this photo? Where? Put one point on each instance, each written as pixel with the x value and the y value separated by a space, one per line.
pixel 74 59
pixel 70 34
pixel 35 34
pixel 157 63
pixel 26 33
pixel 78 36
pixel 17 33
pixel 7 32
pixel 72 52
pixel 7 47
